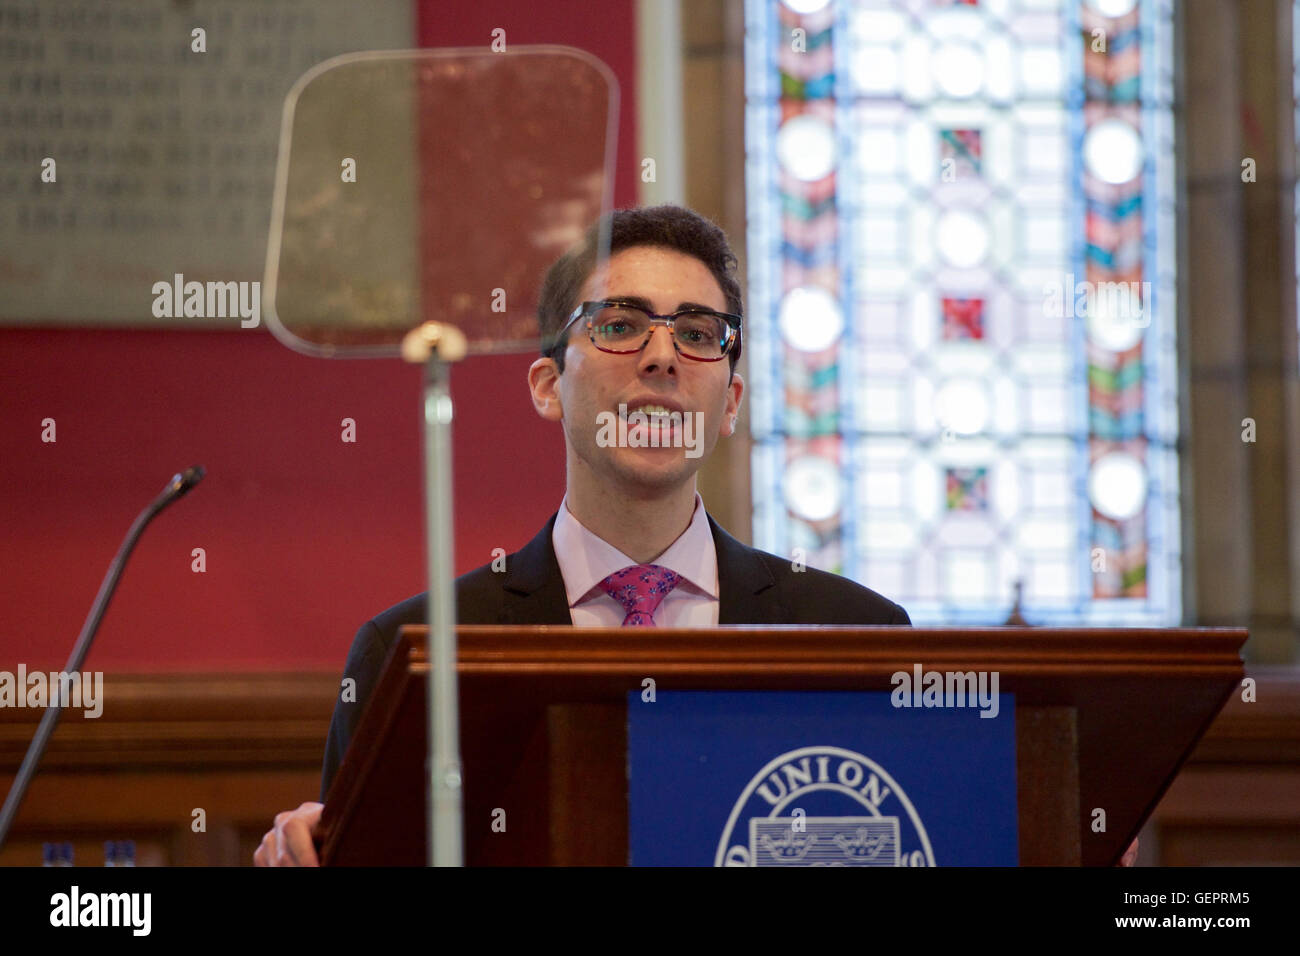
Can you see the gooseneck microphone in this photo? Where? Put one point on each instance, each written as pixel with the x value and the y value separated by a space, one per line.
pixel 178 486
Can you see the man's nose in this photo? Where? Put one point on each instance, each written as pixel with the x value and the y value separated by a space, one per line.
pixel 659 353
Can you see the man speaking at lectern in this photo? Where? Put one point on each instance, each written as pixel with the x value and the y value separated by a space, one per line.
pixel 638 366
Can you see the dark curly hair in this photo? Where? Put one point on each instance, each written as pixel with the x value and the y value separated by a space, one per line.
pixel 667 226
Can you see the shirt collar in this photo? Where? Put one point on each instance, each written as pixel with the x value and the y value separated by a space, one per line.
pixel 586 559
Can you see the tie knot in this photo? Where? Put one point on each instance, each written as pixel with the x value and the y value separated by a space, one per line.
pixel 640 588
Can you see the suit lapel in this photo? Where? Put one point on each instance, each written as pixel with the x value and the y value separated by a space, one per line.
pixel 533 589
pixel 747 592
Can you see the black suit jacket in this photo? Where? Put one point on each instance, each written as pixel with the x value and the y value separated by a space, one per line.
pixel 754 587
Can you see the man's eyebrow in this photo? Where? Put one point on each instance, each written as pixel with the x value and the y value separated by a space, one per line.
pixel 643 303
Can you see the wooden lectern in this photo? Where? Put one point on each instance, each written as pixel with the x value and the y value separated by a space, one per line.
pixel 1104 718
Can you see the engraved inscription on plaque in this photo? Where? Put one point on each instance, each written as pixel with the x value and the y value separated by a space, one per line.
pixel 163 157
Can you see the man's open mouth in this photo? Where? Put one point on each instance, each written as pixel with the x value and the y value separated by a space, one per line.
pixel 654 413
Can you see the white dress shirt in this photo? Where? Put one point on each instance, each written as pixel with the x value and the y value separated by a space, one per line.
pixel 586 560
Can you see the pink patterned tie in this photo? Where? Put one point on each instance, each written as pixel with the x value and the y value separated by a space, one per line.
pixel 640 588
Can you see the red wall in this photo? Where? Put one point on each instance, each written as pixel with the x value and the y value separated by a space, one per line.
pixel 305 536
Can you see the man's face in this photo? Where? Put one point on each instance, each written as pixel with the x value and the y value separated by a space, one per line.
pixel 595 384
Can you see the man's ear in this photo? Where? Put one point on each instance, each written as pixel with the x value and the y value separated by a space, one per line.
pixel 735 391
pixel 544 382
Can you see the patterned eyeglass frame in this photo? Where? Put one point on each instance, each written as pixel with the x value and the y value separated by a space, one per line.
pixel 667 320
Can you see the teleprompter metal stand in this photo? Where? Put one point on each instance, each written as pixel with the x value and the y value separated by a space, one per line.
pixel 437 346
pixel 479 170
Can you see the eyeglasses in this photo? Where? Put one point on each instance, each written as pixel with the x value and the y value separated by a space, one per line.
pixel 622 328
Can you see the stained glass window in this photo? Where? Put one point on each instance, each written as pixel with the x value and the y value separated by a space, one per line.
pixel 962 302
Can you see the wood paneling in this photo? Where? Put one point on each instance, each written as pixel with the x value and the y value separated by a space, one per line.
pixel 240 747
pixel 1238 799
pixel 244 747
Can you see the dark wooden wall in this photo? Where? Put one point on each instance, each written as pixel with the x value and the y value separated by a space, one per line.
pixel 244 746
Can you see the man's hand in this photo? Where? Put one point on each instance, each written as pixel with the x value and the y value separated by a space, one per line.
pixel 1129 858
pixel 289 842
